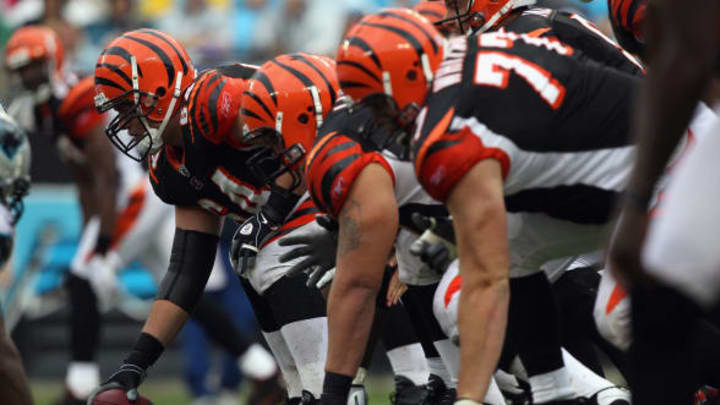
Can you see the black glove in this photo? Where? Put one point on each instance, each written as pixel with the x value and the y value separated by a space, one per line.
pixel 318 250
pixel 127 378
pixel 435 246
pixel 247 241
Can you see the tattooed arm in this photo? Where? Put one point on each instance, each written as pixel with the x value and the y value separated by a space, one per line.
pixel 368 225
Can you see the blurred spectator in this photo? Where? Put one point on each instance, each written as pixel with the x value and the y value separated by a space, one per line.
pixel 203 29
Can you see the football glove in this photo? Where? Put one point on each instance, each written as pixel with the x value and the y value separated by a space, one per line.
pixel 247 241
pixel 435 246
pixel 317 250
pixel 127 378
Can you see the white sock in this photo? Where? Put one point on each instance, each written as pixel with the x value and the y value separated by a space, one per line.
pixel 494 396
pixel 450 355
pixel 307 341
pixel 437 367
pixel 508 382
pixel 409 361
pixel 82 378
pixel 552 386
pixel 586 383
pixel 257 363
pixel 285 362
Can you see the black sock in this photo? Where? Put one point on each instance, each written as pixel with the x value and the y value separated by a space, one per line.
pixel 398 330
pixel 84 319
pixel 220 327
pixel 533 314
pixel 418 302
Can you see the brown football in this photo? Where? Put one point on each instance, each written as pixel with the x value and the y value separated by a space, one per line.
pixel 116 396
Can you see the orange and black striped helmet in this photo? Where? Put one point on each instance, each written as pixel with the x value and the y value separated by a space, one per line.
pixel 393 53
pixel 35 43
pixel 142 74
pixel 285 103
pixel 434 11
pixel 627 18
pixel 481 15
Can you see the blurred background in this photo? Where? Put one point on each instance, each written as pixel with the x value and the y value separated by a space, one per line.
pixel 214 32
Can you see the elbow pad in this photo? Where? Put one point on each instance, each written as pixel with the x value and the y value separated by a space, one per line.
pixel 191 260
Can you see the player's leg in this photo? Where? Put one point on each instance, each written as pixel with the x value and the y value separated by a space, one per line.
pixel 14 387
pixel 83 373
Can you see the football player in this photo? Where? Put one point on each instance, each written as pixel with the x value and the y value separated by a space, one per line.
pixel 123 220
pixel 462 75
pixel 188 126
pixel 15 175
pixel 678 256
pixel 297 102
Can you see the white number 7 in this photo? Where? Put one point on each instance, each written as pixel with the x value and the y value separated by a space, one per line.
pixel 493 69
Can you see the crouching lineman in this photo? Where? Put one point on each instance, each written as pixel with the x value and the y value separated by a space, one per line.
pixel 15 183
pixel 559 169
pixel 185 121
pixel 345 154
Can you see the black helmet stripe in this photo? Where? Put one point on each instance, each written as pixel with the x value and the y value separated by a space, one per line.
pixel 115 70
pixel 259 101
pixel 332 173
pixel 409 37
pixel 349 84
pixel 212 104
pixel 414 24
pixel 360 43
pixel 251 114
pixel 108 82
pixel 162 38
pixel 262 78
pixel 361 67
pixel 169 68
pixel 304 79
pixel 304 60
pixel 121 52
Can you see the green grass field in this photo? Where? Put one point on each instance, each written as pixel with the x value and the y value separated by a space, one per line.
pixel 173 392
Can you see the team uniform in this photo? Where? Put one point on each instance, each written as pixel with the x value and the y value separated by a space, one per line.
pixel 339 155
pixel 210 171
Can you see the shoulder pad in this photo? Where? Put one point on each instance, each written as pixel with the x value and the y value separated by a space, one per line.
pixel 211 108
pixel 77 110
pixel 168 183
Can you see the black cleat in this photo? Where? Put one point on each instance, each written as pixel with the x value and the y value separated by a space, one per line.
pixel 438 392
pixel 407 393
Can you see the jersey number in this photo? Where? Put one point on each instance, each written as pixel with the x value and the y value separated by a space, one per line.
pixel 493 69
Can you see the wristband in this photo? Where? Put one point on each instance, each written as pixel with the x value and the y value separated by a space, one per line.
pixel 102 245
pixel 336 385
pixel 146 351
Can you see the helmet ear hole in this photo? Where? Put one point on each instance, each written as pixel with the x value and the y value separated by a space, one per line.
pixel 411 75
pixel 304 118
pixel 160 91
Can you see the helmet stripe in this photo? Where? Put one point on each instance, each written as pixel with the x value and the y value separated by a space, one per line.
pixel 169 68
pixel 360 43
pixel 123 53
pixel 301 76
pixel 251 114
pixel 259 101
pixel 333 172
pixel 174 48
pixel 414 24
pixel 212 105
pixel 409 37
pixel 349 84
pixel 304 60
pixel 361 67
pixel 116 70
pixel 108 82
pixel 262 78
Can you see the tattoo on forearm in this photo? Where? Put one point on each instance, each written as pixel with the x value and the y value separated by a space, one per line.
pixel 350 233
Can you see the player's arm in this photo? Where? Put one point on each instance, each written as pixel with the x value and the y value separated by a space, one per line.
pixel 368 224
pixel 478 210
pixel 97 181
pixel 683 41
pixel 191 261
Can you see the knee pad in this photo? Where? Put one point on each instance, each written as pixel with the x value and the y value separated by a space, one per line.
pixel 612 313
pixel 446 302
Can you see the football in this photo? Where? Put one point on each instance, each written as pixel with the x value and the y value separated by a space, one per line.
pixel 116 396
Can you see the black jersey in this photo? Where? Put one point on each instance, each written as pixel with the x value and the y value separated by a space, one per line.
pixel 574 30
pixel 210 170
pixel 557 122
